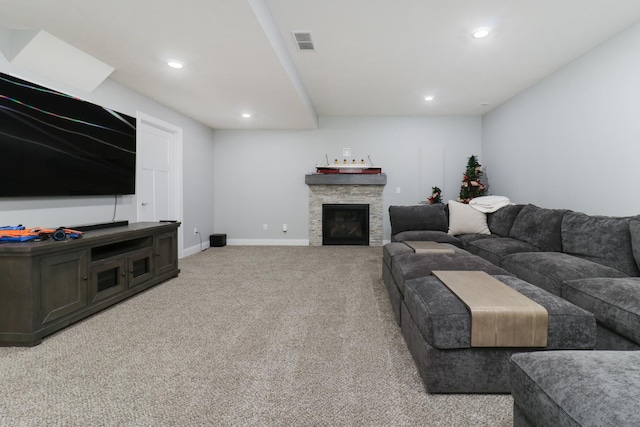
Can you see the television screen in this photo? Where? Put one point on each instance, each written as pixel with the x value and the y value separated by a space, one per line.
pixel 53 144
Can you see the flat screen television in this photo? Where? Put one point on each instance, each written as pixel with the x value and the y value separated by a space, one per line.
pixel 53 144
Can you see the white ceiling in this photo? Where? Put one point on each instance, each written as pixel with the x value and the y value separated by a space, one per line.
pixel 372 57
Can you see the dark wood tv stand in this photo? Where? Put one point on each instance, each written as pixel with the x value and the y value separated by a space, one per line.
pixel 46 286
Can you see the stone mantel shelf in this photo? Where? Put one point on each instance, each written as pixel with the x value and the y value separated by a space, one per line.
pixel 345 179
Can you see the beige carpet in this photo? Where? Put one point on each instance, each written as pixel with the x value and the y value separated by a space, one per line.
pixel 264 336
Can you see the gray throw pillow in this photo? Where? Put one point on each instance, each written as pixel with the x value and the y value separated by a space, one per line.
pixel 634 231
pixel 501 221
pixel 602 239
pixel 419 217
pixel 540 227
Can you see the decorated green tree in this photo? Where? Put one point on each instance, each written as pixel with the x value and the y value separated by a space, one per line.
pixel 436 196
pixel 472 185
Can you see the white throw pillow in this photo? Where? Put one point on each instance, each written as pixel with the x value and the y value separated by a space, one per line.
pixel 463 219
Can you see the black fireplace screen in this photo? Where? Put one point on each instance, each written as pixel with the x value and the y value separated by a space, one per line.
pixel 345 224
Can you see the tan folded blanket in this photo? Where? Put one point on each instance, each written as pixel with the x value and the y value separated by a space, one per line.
pixel 500 315
pixel 428 247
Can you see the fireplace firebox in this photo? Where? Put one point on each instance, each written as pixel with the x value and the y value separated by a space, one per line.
pixel 345 224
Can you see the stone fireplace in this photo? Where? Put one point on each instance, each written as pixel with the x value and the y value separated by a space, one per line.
pixel 345 224
pixel 345 189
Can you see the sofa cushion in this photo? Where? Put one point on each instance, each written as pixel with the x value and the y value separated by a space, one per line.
pixel 419 217
pixel 501 221
pixel 602 239
pixel 463 219
pixel 426 236
pixel 549 269
pixel 614 302
pixel 409 266
pixel 445 322
pixel 634 232
pixel 540 227
pixel 393 249
pixel 577 388
pixel 468 238
pixel 494 249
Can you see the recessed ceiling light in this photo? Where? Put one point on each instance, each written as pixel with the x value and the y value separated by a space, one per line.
pixel 429 98
pixel 480 33
pixel 246 115
pixel 175 64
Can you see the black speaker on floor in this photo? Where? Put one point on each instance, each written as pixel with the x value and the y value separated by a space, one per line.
pixel 217 240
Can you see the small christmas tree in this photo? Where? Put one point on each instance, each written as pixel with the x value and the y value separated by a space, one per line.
pixel 471 185
pixel 435 196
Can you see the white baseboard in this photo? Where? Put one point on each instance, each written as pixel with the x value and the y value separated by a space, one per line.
pixel 194 249
pixel 268 242
pixel 253 242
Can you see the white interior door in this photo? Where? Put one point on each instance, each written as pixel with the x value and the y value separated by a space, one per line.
pixel 155 147
pixel 159 172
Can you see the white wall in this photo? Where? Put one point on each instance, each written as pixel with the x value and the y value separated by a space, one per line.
pixel 198 171
pixel 573 140
pixel 259 175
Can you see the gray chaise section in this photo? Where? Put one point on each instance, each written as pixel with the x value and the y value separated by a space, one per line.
pixel 614 302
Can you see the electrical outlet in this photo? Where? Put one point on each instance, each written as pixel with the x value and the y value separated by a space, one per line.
pixel 398 190
pixel 195 231
pixel 265 227
pixel 284 228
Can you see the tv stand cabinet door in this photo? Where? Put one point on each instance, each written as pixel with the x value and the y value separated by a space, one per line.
pixel 107 279
pixel 166 253
pixel 63 284
pixel 140 267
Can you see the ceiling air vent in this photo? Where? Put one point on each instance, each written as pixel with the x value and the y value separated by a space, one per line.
pixel 303 40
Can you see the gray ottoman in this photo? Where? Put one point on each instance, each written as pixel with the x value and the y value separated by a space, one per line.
pixel 576 388
pixel 436 326
pixel 401 263
pixel 389 252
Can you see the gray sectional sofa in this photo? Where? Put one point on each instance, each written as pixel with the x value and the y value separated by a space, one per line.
pixel 590 261
pixel 583 269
